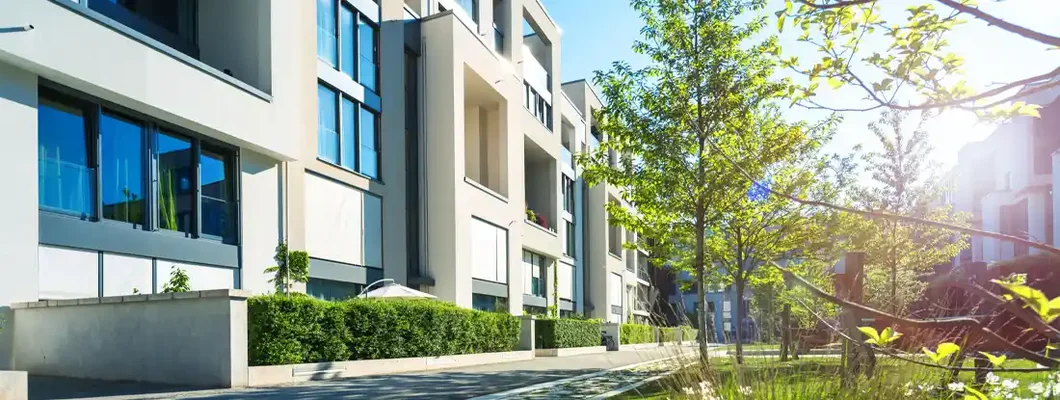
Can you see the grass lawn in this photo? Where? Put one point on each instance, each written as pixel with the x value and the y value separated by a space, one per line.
pixel 816 378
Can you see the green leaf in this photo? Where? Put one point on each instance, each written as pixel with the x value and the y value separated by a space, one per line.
pixel 931 354
pixel 974 394
pixel 994 360
pixel 780 23
pixel 874 338
pixel 947 349
pixel 835 83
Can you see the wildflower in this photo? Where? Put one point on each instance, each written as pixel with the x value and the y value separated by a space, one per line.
pixel 1010 384
pixel 745 390
pixel 992 379
pixel 689 391
pixel 956 386
pixel 925 387
pixel 1037 388
pixel 909 392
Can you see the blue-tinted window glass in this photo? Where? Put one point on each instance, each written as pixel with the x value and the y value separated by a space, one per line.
pixel 369 148
pixel 175 192
pixel 347 40
pixel 327 132
pixel 121 169
pixel 65 180
pixel 325 289
pixel 349 134
pixel 367 54
pixel 216 195
pixel 326 40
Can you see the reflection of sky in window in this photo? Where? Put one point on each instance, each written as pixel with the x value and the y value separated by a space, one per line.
pixel 62 133
pixel 212 170
pixel 121 165
pixel 170 158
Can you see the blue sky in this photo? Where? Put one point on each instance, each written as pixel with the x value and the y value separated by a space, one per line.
pixel 598 32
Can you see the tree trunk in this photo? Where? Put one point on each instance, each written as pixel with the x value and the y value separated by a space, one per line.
pixel 700 273
pixel 738 307
pixel 785 333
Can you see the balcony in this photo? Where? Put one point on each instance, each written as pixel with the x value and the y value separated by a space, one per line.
pixel 485 146
pixel 566 157
pixel 541 196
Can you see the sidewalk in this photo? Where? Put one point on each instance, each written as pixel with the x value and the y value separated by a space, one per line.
pixel 458 383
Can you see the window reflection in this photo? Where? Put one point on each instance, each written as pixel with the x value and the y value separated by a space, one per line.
pixel 121 169
pixel 174 183
pixel 66 181
pixel 216 197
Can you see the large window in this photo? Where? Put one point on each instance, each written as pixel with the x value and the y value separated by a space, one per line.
pixel 174 22
pixel 489 251
pixel 66 175
pixel 537 105
pixel 569 236
pixel 348 40
pixel 485 302
pixel 348 133
pixel 534 274
pixel 148 176
pixel 568 194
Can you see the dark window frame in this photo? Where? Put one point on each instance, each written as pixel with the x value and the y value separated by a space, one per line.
pixel 358 17
pixel 543 271
pixel 90 114
pixel 151 127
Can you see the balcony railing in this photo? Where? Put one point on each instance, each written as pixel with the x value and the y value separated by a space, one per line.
pixel 593 142
pixel 567 157
pixel 539 220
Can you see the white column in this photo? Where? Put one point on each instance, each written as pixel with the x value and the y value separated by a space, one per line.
pixel 1036 218
pixel 991 223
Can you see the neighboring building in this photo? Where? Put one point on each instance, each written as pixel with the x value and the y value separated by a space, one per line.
pixel 401 139
pixel 1007 181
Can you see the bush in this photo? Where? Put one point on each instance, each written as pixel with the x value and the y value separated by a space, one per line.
pixel 688 333
pixel 636 333
pixel 300 329
pixel 561 333
pixel 668 334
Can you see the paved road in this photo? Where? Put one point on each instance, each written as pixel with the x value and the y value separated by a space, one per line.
pixel 458 383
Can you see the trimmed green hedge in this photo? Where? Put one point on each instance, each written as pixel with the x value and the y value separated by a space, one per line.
pixel 688 333
pixel 301 329
pixel 636 333
pixel 565 333
pixel 668 334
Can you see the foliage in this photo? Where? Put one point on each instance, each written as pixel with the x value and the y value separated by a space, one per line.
pixel 882 338
pixel 1034 299
pixel 667 334
pixel 942 352
pixel 688 333
pixel 561 333
pixel 905 65
pixel 291 267
pixel 300 329
pixel 167 200
pixel 636 333
pixel 898 253
pixel 178 281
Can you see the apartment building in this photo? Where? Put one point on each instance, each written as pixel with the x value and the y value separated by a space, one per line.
pixel 1007 183
pixel 426 141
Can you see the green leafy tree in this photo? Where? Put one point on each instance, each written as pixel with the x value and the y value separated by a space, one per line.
pixel 904 64
pixel 291 267
pixel 898 253
pixel 704 85
pixel 178 281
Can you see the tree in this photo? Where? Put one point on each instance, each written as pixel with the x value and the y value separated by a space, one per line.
pixel 291 266
pixel 899 253
pixel 178 281
pixel 917 71
pixel 704 83
pixel 763 228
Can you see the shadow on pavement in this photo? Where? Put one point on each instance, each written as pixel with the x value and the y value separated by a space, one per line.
pixel 441 385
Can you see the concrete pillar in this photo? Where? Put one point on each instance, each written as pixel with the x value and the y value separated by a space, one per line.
pixel 1036 212
pixel 18 208
pixel 991 223
pixel 526 333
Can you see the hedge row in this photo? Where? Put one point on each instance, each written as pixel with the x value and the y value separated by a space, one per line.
pixel 565 333
pixel 688 333
pixel 636 333
pixel 668 334
pixel 301 329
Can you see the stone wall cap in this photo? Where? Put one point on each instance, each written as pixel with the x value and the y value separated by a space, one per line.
pixel 239 294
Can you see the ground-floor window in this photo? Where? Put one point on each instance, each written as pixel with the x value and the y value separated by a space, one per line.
pixel 534 310
pixel 485 302
pixel 326 289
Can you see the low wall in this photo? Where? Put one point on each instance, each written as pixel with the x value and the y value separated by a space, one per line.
pixel 195 338
pixel 272 375
pixel 14 385
pixel 570 351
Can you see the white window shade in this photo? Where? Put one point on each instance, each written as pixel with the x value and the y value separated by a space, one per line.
pixel 614 289
pixel 343 224
pixel 200 277
pixel 122 274
pixel 67 273
pixel 566 280
pixel 489 252
pixel 528 273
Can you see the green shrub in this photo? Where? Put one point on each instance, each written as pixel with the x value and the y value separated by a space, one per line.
pixel 688 333
pixel 668 334
pixel 636 333
pixel 561 333
pixel 299 329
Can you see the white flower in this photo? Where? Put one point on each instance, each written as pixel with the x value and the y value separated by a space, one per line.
pixel 956 386
pixel 745 390
pixel 1037 388
pixel 925 387
pixel 1010 384
pixel 909 393
pixel 705 387
pixel 992 379
pixel 689 391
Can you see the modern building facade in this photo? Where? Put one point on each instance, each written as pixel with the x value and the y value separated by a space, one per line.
pixel 1007 183
pixel 426 141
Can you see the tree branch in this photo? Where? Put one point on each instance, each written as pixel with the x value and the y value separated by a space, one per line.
pixel 971 324
pixel 838 4
pixel 1000 23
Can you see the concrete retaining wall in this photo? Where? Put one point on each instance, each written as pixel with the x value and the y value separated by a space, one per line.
pixel 194 338
pixel 13 385
pixel 572 351
pixel 271 375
